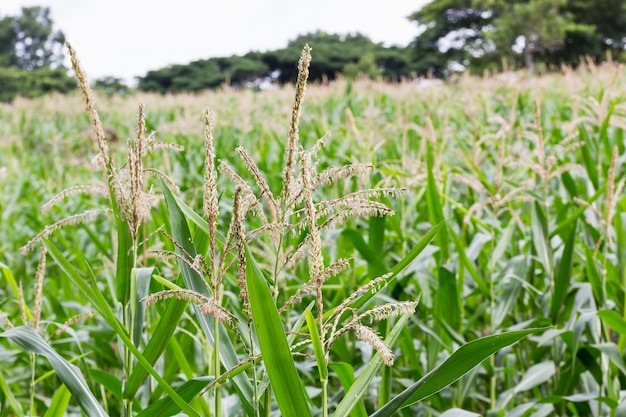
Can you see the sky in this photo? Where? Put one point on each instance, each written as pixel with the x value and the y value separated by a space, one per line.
pixel 127 38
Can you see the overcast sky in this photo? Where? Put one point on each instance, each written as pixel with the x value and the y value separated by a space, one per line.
pixel 126 38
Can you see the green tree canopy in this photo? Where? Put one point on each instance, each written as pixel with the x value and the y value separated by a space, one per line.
pixel 476 33
pixel 355 54
pixel 31 55
pixel 34 42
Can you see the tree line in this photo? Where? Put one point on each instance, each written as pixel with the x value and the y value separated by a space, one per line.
pixel 451 35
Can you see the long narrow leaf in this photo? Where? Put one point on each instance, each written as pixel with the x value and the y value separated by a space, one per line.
pixel 193 281
pixel 353 397
pixel 279 364
pixel 165 407
pixel 345 373
pixel 435 210
pixel 95 297
pixel 399 267
pixel 69 374
pixel 8 394
pixel 563 275
pixel 453 368
pixel 59 403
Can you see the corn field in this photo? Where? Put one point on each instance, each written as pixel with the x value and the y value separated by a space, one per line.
pixel 356 249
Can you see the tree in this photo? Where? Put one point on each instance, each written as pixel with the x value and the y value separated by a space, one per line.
pixel 451 33
pixel 541 25
pixel 7 38
pixel 112 86
pixel 36 44
pixel 475 33
pixel 334 54
pixel 31 55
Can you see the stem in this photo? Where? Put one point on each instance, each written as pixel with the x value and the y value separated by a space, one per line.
pixel 128 358
pixel 128 318
pixel 324 397
pixel 32 384
pixel 216 365
pixel 268 401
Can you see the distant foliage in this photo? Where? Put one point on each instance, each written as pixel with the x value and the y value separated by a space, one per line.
pixel 31 55
pixel 480 34
pixel 354 54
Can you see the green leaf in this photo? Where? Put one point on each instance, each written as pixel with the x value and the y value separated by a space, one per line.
pixel 59 403
pixel 279 364
pixel 539 227
pixel 8 275
pixel 69 374
pixel 157 344
pixel 125 260
pixel 594 277
pixel 435 210
pixel 453 368
pixel 612 319
pixel 448 299
pixel 577 212
pixel 353 397
pixel 95 297
pixel 375 265
pixel 193 280
pixel 165 407
pixel 8 394
pixel 399 267
pixel 469 265
pixel 318 348
pixel 140 281
pixel 110 382
pixel 563 275
pixel 587 152
pixel 345 373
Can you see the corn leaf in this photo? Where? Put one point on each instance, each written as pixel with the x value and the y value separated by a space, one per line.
pixel 59 403
pixel 453 368
pixel 352 398
pixel 279 364
pixel 29 340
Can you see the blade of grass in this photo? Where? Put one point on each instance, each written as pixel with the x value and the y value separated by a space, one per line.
pixel 165 407
pixel 435 210
pixel 140 286
pixel 318 348
pixel 539 227
pixel 399 267
pixel 448 298
pixel 8 275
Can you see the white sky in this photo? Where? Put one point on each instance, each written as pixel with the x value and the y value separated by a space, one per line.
pixel 126 38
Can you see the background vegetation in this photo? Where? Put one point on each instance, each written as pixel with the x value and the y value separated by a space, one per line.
pixel 451 36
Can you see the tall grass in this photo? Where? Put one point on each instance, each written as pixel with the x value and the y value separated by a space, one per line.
pixel 296 272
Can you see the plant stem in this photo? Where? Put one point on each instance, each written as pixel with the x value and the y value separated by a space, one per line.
pixel 325 397
pixel 32 384
pixel 216 370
